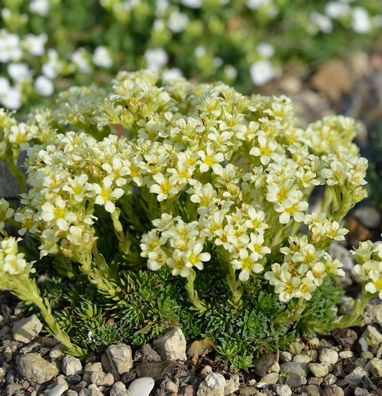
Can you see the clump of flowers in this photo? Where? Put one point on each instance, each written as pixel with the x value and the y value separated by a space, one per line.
pixel 46 44
pixel 189 178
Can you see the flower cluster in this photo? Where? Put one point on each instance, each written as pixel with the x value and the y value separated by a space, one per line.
pixel 368 257
pixel 176 37
pixel 192 175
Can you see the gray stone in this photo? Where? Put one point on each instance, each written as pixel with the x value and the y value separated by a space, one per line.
pixel 368 216
pixel 27 329
pixel 232 384
pixel 332 390
pixel 268 379
pixel 213 385
pixel 312 390
pixel 328 356
pixel 295 380
pixel 373 314
pixel 355 377
pixel 118 389
pixel 71 365
pixel 283 390
pixel 346 354
pixel 92 390
pixel 120 358
pixel 57 352
pixel 100 378
pixel 302 358
pixel 57 390
pixel 330 379
pixel 319 369
pixel 285 357
pixel 294 368
pixel 35 369
pixel 172 345
pixel 340 253
pixel 376 367
pixel 71 392
pixel 372 336
pixel 141 387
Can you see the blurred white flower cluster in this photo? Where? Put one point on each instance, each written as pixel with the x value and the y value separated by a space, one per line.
pixel 190 175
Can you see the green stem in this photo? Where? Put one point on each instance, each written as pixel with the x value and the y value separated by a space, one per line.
pixel 193 294
pixel 27 290
pixel 235 286
pixel 355 318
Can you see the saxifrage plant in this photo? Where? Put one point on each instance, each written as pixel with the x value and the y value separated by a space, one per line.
pixel 165 202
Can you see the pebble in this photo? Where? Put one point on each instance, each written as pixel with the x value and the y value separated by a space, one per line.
pixel 332 390
pixel 149 354
pixel 172 345
pixel 294 368
pixel 100 378
pixel 355 377
pixel 205 371
pixel 118 389
pixel 213 385
pixel 376 367
pixel 368 216
pixel 141 387
pixel 268 379
pixel 301 358
pixel 92 390
pixel 275 368
pixel 319 369
pixel 36 369
pixel 295 380
pixel 373 313
pixel 285 357
pixel 283 390
pixel 57 390
pixel 330 379
pixel 71 365
pixel 26 329
pixel 71 392
pixel 232 384
pixel 328 356
pixel 120 358
pixel 312 390
pixel 57 352
pixel 372 336
pixel 346 354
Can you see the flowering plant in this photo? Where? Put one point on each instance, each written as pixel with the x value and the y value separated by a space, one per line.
pixel 46 45
pixel 189 179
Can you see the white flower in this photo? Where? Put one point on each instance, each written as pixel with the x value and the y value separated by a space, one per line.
pixel 102 57
pixel 164 187
pixel 19 71
pixel 9 47
pixel 248 264
pixel 35 44
pixel 194 256
pixel 81 60
pixel 156 58
pixel 266 50
pixel 265 149
pixel 177 21
pixel 360 20
pixel 192 3
pixel 171 74
pixel 11 99
pixel 106 195
pixel 322 22
pixel 209 159
pixel 39 7
pixel 44 86
pixel 336 9
pixel 262 71
pixel 58 213
pixel 53 66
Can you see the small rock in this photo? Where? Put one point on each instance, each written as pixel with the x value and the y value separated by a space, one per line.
pixel 36 369
pixel 268 379
pixel 172 345
pixel 275 368
pixel 373 314
pixel 346 354
pixel 328 356
pixel 368 216
pixel 345 337
pixel 285 357
pixel 376 367
pixel 213 385
pixel 205 371
pixel 118 389
pixel 27 329
pixel 355 377
pixel 262 364
pixel 301 358
pixel 71 392
pixel 149 354
pixel 315 381
pixel 232 384
pixel 319 369
pixel 141 387
pixel 312 390
pixel 332 390
pixel 330 379
pixel 294 368
pixel 170 387
pixel 372 336
pixel 101 378
pixel 71 365
pixel 283 390
pixel 57 390
pixel 92 390
pixel 57 352
pixel 295 380
pixel 120 357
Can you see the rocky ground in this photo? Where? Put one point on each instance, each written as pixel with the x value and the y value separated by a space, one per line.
pixel 348 362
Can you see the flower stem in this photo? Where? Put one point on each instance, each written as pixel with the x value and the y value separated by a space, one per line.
pixel 235 286
pixel 193 294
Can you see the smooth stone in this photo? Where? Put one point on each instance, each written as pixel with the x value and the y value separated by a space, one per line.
pixel 120 357
pixel 213 385
pixel 172 345
pixel 141 387
pixel 328 356
pixel 27 329
pixel 36 369
pixel 71 365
